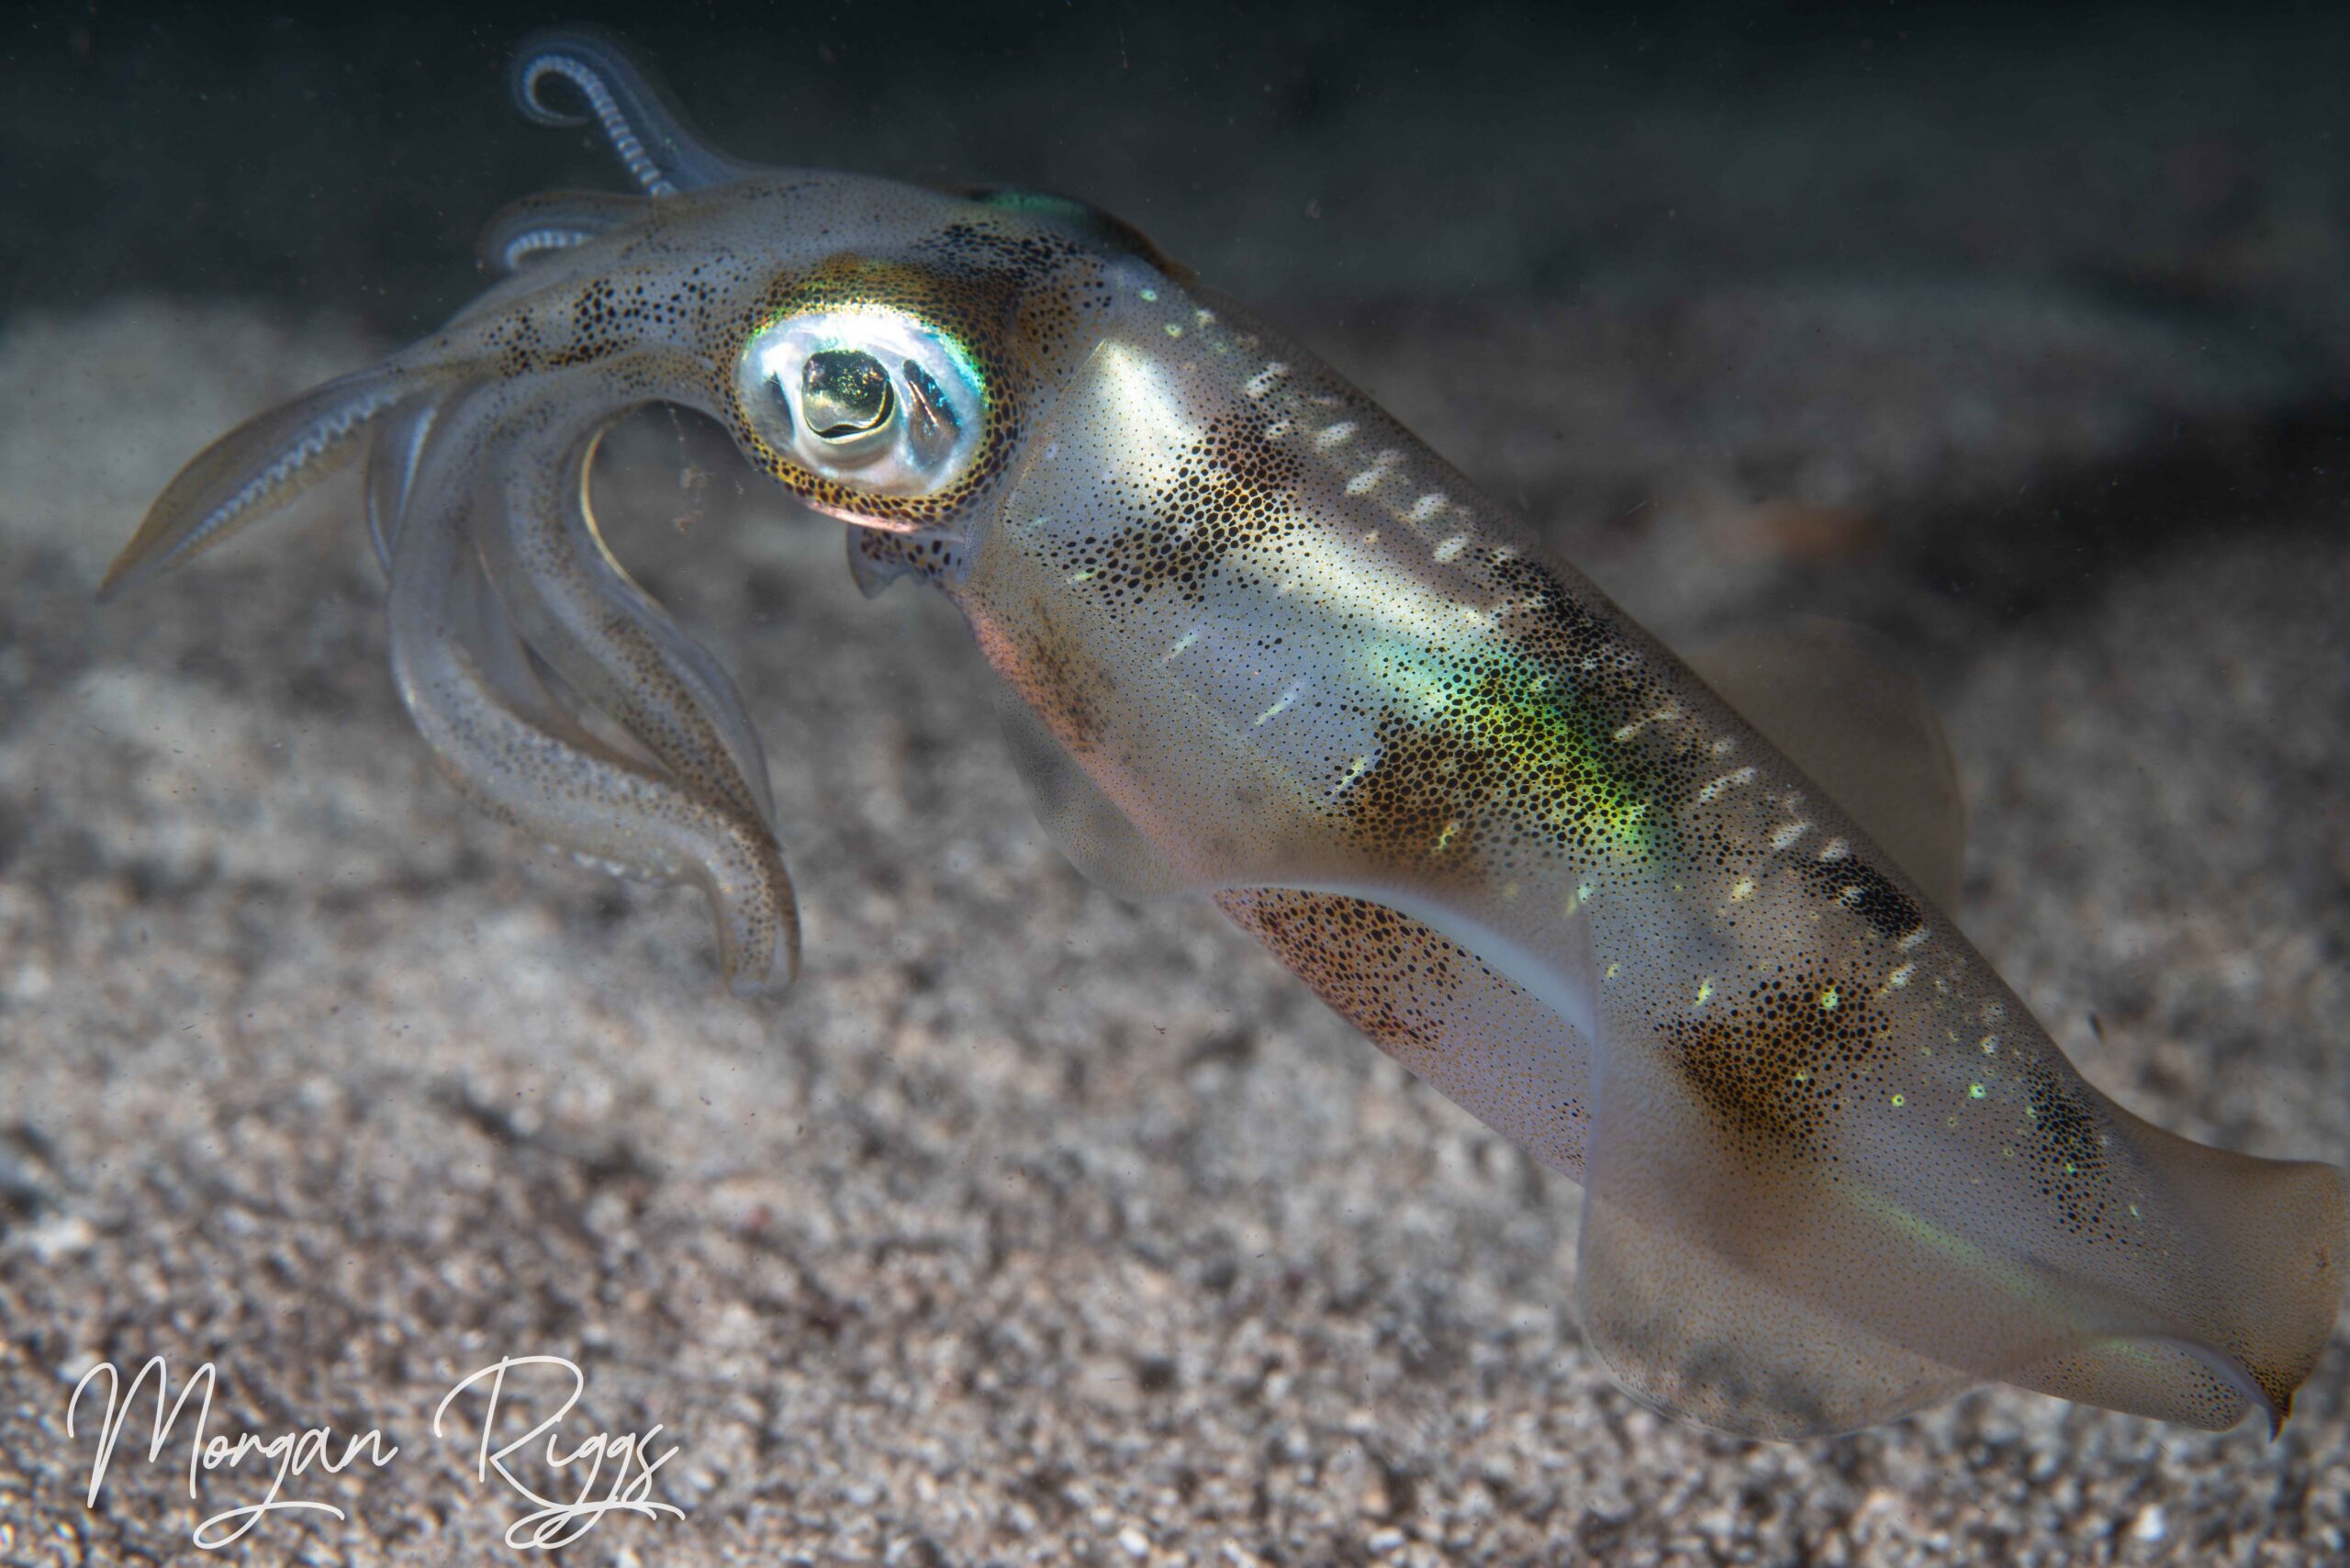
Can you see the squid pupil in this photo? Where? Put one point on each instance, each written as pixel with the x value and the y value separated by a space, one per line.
pixel 845 392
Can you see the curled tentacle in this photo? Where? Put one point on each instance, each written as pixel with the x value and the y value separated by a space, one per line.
pixel 504 741
pixel 579 611
pixel 531 228
pixel 660 148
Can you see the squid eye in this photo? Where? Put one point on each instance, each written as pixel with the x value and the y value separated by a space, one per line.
pixel 875 401
pixel 844 393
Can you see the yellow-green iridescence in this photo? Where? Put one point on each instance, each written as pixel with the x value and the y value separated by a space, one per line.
pixel 1475 742
pixel 1483 753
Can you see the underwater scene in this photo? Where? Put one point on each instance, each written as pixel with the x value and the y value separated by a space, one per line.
pixel 1067 783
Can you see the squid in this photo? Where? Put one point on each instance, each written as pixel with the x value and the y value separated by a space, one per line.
pixel 1674 928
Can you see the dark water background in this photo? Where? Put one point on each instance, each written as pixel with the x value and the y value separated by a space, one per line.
pixel 342 156
pixel 2182 174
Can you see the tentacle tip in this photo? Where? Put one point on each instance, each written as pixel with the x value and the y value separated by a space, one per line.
pixel 117 580
pixel 749 987
pixel 753 976
pixel 130 567
pixel 754 984
pixel 556 51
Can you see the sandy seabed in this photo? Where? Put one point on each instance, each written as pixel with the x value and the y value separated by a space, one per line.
pixel 1033 1227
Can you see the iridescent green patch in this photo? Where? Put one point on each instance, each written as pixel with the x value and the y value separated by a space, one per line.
pixel 1494 756
pixel 1081 218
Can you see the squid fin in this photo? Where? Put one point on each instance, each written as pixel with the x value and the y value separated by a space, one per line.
pixel 1677 1314
pixel 1701 1343
pixel 1836 698
pixel 1788 1254
pixel 252 471
pixel 2277 1249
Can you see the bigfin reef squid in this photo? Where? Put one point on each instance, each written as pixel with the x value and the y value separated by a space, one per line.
pixel 1675 931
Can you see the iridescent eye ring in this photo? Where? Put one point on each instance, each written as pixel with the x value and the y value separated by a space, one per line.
pixel 873 397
